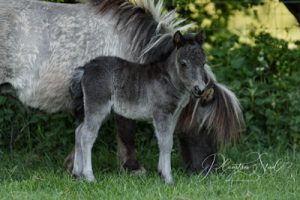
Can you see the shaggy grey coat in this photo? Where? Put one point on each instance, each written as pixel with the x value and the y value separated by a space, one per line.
pixel 155 92
pixel 41 43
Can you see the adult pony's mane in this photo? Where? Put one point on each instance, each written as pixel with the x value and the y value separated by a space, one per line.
pixel 144 22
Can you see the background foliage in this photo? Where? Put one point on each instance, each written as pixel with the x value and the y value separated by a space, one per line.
pixel 265 76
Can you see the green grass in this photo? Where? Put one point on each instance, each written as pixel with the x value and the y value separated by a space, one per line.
pixel 242 175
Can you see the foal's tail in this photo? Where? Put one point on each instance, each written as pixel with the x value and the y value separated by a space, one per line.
pixel 76 92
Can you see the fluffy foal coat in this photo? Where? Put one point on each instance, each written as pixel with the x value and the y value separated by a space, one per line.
pixel 155 92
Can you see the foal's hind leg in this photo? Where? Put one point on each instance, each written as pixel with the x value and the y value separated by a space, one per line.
pixel 164 128
pixel 77 166
pixel 85 139
pixel 126 145
pixel 126 129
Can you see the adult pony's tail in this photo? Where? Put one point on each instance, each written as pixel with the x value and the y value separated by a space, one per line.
pixel 76 93
pixel 222 116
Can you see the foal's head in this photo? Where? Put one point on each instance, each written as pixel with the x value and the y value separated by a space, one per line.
pixel 190 61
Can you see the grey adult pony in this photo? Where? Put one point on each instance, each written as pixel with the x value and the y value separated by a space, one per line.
pixel 41 43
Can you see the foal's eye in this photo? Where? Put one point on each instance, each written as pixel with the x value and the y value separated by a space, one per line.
pixel 183 64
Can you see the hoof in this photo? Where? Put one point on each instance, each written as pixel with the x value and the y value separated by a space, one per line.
pixel 204 170
pixel 207 170
pixel 139 172
pixel 134 167
pixel 69 161
pixel 90 178
pixel 77 176
pixel 167 180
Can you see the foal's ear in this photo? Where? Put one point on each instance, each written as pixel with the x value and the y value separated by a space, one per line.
pixel 178 39
pixel 200 37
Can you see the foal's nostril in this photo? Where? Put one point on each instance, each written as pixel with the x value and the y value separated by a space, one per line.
pixel 197 90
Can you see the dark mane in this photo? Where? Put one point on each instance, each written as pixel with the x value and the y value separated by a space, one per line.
pixel 164 48
pixel 149 27
pixel 161 51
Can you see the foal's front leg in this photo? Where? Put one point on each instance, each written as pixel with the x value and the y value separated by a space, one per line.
pixel 164 125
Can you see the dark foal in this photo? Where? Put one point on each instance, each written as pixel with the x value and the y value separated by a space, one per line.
pixel 155 92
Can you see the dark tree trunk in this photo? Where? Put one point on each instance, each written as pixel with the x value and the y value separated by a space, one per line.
pixel 294 7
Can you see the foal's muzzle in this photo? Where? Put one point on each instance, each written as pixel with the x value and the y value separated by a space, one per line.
pixel 197 91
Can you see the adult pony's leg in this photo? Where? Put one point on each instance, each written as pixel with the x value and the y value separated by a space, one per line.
pixel 198 151
pixel 126 145
pixel 69 161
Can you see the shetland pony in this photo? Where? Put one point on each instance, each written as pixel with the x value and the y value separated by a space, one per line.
pixel 155 92
pixel 41 43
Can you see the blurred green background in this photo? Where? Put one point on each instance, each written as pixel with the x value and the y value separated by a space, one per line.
pixel 253 48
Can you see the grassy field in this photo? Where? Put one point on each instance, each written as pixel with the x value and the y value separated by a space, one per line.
pixel 241 175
